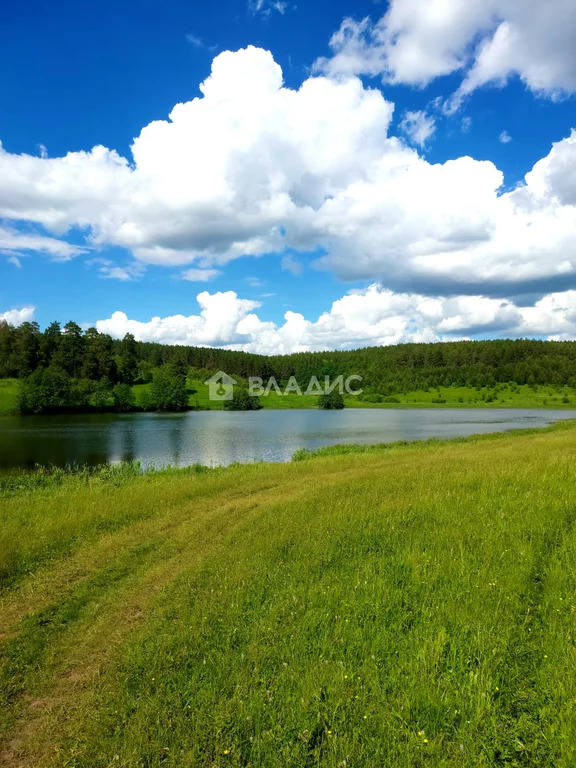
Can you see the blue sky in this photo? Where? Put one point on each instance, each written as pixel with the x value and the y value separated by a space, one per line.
pixel 391 205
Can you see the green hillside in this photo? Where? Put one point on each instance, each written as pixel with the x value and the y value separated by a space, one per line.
pixel 71 370
pixel 499 396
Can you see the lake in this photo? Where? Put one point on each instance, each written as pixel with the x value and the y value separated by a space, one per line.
pixel 224 437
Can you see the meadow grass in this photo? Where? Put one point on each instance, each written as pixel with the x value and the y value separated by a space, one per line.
pixel 503 396
pixel 8 395
pixel 408 605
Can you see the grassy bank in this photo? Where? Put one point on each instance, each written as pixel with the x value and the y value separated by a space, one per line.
pixel 405 606
pixel 503 396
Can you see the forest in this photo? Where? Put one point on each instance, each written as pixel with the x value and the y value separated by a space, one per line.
pixel 63 368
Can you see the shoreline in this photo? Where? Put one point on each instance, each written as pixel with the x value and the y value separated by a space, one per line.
pixel 406 576
pixel 125 469
pixel 355 407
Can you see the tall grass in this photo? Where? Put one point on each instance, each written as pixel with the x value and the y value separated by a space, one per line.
pixel 407 606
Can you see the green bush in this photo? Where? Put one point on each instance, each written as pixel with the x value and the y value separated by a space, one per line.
pixel 101 398
pixel 47 390
pixel 123 397
pixel 331 401
pixel 374 398
pixel 242 401
pixel 167 392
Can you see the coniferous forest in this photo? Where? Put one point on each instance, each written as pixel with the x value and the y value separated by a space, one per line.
pixel 67 368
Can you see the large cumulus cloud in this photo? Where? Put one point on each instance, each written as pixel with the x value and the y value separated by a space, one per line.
pixel 488 41
pixel 252 167
pixel 372 316
pixel 17 316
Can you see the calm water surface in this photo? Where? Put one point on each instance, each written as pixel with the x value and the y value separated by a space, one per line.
pixel 221 437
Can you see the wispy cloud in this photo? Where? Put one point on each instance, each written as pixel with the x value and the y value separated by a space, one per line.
pixel 290 264
pixel 267 6
pixel 255 282
pixel 200 275
pixel 111 271
pixel 14 243
pixel 505 137
pixel 199 43
pixel 120 273
pixel 418 126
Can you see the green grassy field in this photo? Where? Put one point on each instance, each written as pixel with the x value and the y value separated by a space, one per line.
pixel 450 397
pixel 521 396
pixel 401 606
pixel 8 392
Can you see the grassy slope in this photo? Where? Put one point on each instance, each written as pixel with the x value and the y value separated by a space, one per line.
pixel 8 392
pixel 456 397
pixel 410 606
pixel 467 397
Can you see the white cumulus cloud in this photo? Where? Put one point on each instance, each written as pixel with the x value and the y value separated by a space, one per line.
pixel 373 316
pixel 488 41
pixel 18 316
pixel 217 324
pixel 253 168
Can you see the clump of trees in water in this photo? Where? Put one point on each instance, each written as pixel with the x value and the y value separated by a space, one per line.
pixel 66 368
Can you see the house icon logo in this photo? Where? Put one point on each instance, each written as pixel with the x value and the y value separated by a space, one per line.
pixel 220 386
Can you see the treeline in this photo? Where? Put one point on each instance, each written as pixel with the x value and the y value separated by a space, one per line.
pixel 67 369
pixel 476 364
pixel 94 356
pixel 80 354
pixel 53 390
pixel 88 366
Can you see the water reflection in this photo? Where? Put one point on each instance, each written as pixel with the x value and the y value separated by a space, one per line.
pixel 222 437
